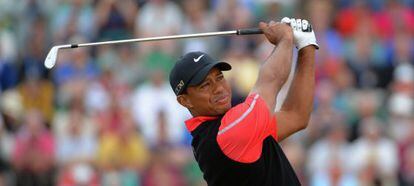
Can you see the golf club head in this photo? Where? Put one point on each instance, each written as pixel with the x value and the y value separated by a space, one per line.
pixel 51 57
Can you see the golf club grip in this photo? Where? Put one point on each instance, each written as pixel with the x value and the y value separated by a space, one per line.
pixel 249 31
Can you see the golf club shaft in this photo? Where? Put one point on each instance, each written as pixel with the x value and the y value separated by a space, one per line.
pixel 51 57
pixel 183 36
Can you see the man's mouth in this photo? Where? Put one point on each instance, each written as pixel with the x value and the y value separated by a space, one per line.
pixel 223 99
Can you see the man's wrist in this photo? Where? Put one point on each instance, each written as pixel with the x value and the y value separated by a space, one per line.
pixel 305 43
pixel 286 41
pixel 308 48
pixel 307 51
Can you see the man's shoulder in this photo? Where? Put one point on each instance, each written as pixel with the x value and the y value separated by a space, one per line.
pixel 242 110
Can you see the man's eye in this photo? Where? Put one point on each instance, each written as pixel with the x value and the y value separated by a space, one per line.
pixel 205 85
pixel 221 77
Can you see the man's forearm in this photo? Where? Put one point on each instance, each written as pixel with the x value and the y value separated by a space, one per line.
pixel 295 112
pixel 275 71
pixel 279 63
pixel 301 92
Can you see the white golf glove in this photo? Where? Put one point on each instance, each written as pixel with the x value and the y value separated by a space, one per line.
pixel 302 32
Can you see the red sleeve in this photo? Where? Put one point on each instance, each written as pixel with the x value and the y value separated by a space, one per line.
pixel 243 129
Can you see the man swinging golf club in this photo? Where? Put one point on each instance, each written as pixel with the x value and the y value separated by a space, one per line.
pixel 239 145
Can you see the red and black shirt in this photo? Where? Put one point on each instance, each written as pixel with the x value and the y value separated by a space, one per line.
pixel 240 147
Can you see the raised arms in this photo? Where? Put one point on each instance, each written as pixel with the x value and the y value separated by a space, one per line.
pixel 275 71
pixel 295 112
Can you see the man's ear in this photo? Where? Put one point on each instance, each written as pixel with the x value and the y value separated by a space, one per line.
pixel 184 101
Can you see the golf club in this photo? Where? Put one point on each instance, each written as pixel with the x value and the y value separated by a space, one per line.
pixel 51 57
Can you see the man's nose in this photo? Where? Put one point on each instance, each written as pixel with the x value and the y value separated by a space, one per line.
pixel 218 88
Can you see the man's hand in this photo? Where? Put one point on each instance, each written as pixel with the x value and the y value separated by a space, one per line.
pixel 302 32
pixel 276 32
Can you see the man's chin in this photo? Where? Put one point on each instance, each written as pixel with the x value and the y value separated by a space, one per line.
pixel 223 109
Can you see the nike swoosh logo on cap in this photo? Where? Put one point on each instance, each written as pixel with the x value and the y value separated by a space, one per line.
pixel 198 59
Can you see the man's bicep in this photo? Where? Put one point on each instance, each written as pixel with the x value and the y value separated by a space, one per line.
pixel 287 124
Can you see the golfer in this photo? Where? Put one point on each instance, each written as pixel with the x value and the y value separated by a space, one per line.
pixel 239 145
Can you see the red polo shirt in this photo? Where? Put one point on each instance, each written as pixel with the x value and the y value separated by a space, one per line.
pixel 243 129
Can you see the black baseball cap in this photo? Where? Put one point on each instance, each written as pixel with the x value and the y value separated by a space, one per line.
pixel 191 69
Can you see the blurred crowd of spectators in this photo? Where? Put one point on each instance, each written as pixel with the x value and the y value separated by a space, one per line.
pixel 107 116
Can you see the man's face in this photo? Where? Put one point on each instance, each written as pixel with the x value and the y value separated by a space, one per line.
pixel 210 98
